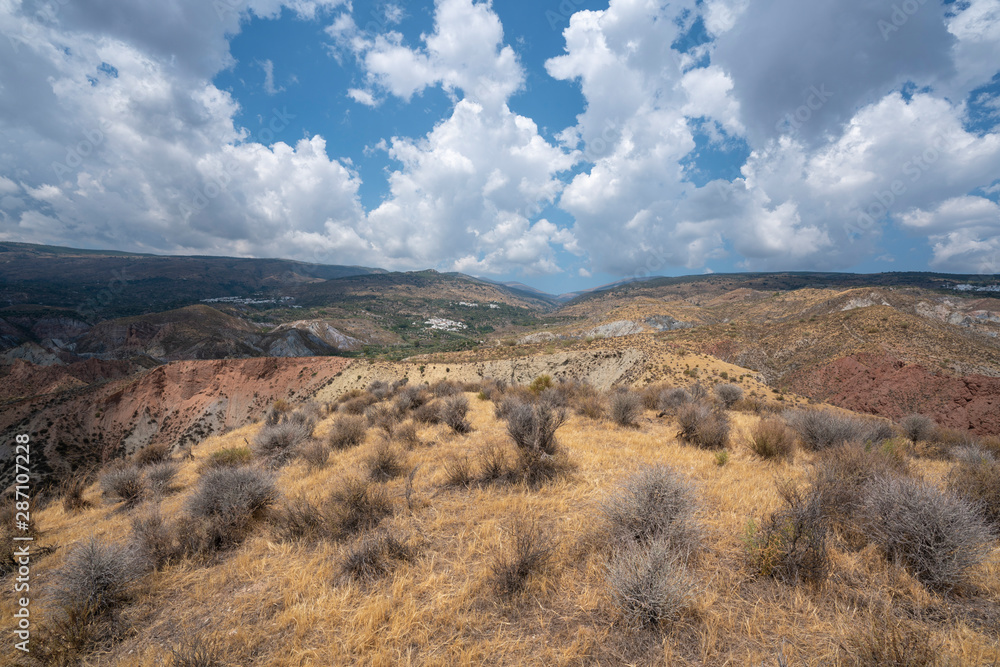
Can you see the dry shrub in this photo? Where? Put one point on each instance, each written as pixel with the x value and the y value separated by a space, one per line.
pixel 671 400
pixel 125 483
pixel 937 536
pixel 380 389
pixel 153 538
pixel 625 407
pixel 278 442
pixel 728 394
pixel 153 453
pixel 840 477
pixel 703 425
pixel 374 556
pixel 382 416
pixel 493 465
pixel 406 434
pixel 98 575
pixel 650 583
pixel 348 431
pixel 453 413
pixel 526 550
pixel 229 457
pixel 917 427
pixel 657 503
pixel 755 405
pixel 315 453
pixel 225 505
pixel 533 428
pixel 357 404
pixel 772 439
pixel 72 489
pixel 161 476
pixel 822 429
pixel 384 462
pixel 356 505
pixel 979 482
pixel 591 407
pixel 458 472
pixel 428 413
pixel 514 396
pixel 892 644
pixel 298 518
pixel 410 398
pixel 199 652
pixel 651 395
pixel 444 388
pixel 790 544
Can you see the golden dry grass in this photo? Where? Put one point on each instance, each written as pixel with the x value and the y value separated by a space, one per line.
pixel 283 604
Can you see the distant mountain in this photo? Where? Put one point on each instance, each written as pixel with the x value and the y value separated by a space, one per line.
pixel 100 284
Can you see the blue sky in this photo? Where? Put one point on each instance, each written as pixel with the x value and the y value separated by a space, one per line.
pixel 561 144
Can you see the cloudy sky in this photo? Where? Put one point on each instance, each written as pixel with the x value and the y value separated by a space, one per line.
pixel 560 143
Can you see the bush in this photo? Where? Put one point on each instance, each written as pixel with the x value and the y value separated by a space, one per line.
pixel 125 483
pixel 348 431
pixel 428 413
pixel 373 557
pixel 790 544
pixel 384 462
pixel 229 457
pixel 591 407
pixel 358 404
pixel 357 505
pixel 444 388
pixel 406 433
pixel 892 644
pixel 703 426
pixel 624 408
pixel 671 400
pixel 410 398
pixel 315 453
pixel 917 427
pixel 657 503
pixel 198 653
pixel 840 476
pixel 226 502
pixel 153 453
pixel 650 583
pixel 533 428
pixel 458 472
pixel 153 539
pixel 937 536
pixel 772 439
pixel 382 416
pixel 161 475
pixel 279 441
pixel 525 551
pixel 540 384
pixel 379 389
pixel 299 519
pixel 493 466
pixel 97 577
pixel 72 489
pixel 820 429
pixel 979 482
pixel 453 413
pixel 728 394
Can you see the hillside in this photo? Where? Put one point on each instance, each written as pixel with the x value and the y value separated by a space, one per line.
pixel 419 544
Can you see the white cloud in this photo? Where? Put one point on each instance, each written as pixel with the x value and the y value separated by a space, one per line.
pixel 269 87
pixel 362 97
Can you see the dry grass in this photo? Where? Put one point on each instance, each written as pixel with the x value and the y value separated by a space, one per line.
pixel 283 603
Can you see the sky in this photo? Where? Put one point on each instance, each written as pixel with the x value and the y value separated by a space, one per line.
pixel 564 144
